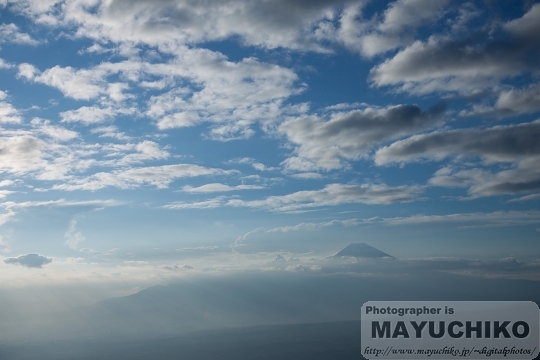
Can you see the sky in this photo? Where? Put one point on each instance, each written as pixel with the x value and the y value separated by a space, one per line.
pixel 143 140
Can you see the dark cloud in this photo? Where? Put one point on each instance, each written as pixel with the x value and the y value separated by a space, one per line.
pixel 445 63
pixel 514 144
pixel 499 143
pixel 29 260
pixel 326 143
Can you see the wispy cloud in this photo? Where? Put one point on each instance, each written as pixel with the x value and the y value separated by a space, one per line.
pixel 330 195
pixel 158 176
pixel 218 187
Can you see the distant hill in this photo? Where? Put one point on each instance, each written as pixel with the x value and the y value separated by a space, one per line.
pixel 322 341
pixel 362 250
pixel 240 300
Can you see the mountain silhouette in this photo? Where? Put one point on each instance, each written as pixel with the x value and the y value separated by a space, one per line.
pixel 362 250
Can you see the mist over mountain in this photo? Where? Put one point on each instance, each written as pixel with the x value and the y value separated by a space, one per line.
pixel 256 311
pixel 253 298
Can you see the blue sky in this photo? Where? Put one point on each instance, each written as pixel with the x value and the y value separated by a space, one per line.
pixel 144 140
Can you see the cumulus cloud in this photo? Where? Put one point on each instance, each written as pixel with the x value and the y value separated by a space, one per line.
pixel 233 95
pixel 445 63
pixel 4 64
pixel 210 88
pixel 520 101
pixel 29 260
pixel 22 153
pixel 8 114
pixel 327 144
pixel 48 152
pixel 397 27
pixel 510 103
pixel 268 24
pixel 11 33
pixel 78 84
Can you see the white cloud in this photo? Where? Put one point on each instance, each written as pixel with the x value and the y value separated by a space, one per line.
pixel 268 24
pixel 330 195
pixel 90 204
pixel 4 64
pixel 88 114
pixel 206 204
pixel 254 163
pixel 78 84
pixel 496 219
pixel 27 71
pixel 146 150
pixel 232 95
pixel 73 237
pixel 307 176
pixel 4 245
pixel 158 176
pixel 311 226
pixel 110 132
pixel 396 28
pixel 22 153
pixel 8 114
pixel 521 101
pixel 183 267
pixel 55 132
pixel 11 33
pixel 333 195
